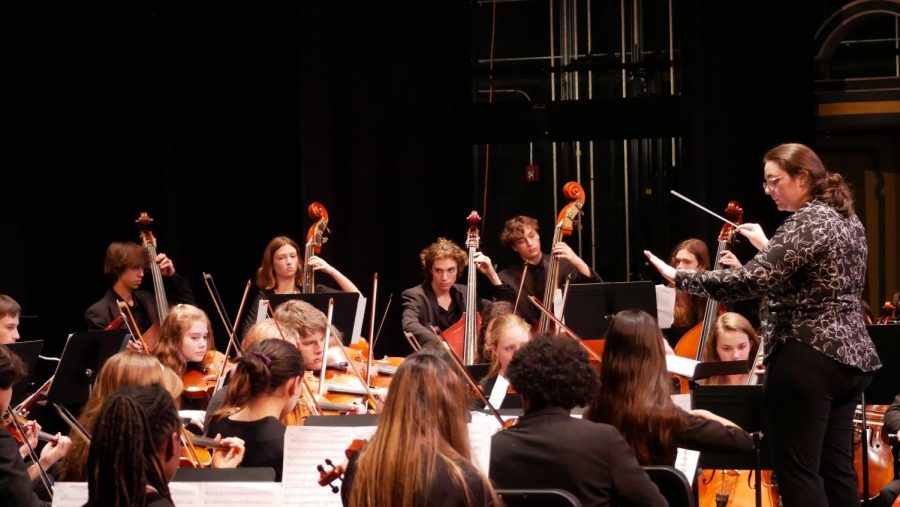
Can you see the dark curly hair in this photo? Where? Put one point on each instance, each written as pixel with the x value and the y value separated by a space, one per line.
pixel 553 370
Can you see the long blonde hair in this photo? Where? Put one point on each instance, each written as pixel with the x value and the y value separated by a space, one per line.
pixel 423 423
pixel 171 334
pixel 499 326
pixel 122 369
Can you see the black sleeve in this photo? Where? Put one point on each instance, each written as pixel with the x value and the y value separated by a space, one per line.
pixel 16 488
pixel 414 308
pixel 178 289
pixel 95 318
pixel 892 417
pixel 706 435
pixel 631 484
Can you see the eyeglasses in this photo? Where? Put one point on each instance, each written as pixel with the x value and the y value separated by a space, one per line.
pixel 769 183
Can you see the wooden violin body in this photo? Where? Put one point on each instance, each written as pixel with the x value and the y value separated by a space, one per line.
pixel 200 382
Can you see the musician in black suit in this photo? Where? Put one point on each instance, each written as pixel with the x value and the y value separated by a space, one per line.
pixel 124 266
pixel 550 449
pixel 521 234
pixel 439 301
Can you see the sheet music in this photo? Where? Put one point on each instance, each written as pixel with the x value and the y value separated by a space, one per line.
pixel 681 365
pixel 498 393
pixel 305 448
pixel 262 311
pixel 480 443
pixel 686 461
pixel 70 494
pixel 682 401
pixel 189 494
pixel 665 306
pixel 358 321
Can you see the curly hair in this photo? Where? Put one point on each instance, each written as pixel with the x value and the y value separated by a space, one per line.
pixel 443 248
pixel 553 370
pixel 514 229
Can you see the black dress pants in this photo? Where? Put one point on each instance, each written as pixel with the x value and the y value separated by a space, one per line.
pixel 810 401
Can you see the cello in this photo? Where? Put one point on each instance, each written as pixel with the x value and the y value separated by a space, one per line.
pixel 565 224
pixel 315 238
pixel 463 335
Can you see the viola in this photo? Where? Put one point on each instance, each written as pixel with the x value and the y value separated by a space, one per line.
pixel 200 381
pixel 315 238
pixel 463 335
pixel 693 342
pixel 565 224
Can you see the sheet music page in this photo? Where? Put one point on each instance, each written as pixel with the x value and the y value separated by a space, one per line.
pixel 305 448
pixel 245 494
pixel 262 311
pixel 358 321
pixel 187 494
pixel 498 393
pixel 682 401
pixel 681 365
pixel 665 306
pixel 70 494
pixel 480 442
pixel 686 461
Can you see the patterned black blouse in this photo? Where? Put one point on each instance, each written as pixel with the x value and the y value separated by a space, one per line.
pixel 811 275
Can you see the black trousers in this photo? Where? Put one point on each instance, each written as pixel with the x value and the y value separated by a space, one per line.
pixel 810 401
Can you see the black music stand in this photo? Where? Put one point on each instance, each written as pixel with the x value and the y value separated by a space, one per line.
pixel 590 306
pixel 345 308
pixel 886 381
pixel 85 352
pixel 708 369
pixel 745 406
pixel 344 420
pixel 28 352
pixel 478 370
pixel 209 474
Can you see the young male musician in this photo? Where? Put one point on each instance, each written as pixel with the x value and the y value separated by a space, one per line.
pixel 124 266
pixel 521 234
pixel 9 319
pixel 439 301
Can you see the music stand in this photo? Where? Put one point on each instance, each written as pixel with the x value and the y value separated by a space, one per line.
pixel 28 352
pixel 479 370
pixel 345 309
pixel 344 420
pixel 242 474
pixel 591 306
pixel 85 352
pixel 743 405
pixel 886 380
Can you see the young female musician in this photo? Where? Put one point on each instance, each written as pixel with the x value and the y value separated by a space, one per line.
pixel 691 253
pixel 548 448
pixel 635 397
pixel 732 339
pixel 812 273
pixel 280 272
pixel 420 454
pixel 16 480
pixel 135 470
pixel 184 340
pixel 265 388
pixel 507 334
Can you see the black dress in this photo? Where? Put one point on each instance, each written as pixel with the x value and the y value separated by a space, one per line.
pixel 263 441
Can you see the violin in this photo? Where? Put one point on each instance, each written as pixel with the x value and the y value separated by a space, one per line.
pixel 196 451
pixel 693 342
pixel 13 429
pixel 328 477
pixel 462 335
pixel 315 238
pixel 200 381
pixel 565 224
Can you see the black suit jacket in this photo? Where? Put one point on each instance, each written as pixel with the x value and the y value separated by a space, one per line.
pixel 16 488
pixel 535 279
pixel 550 449
pixel 420 307
pixel 101 313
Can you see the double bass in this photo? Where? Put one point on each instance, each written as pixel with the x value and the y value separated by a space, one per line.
pixel 463 335
pixel 565 224
pixel 693 342
pixel 315 238
pixel 148 241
